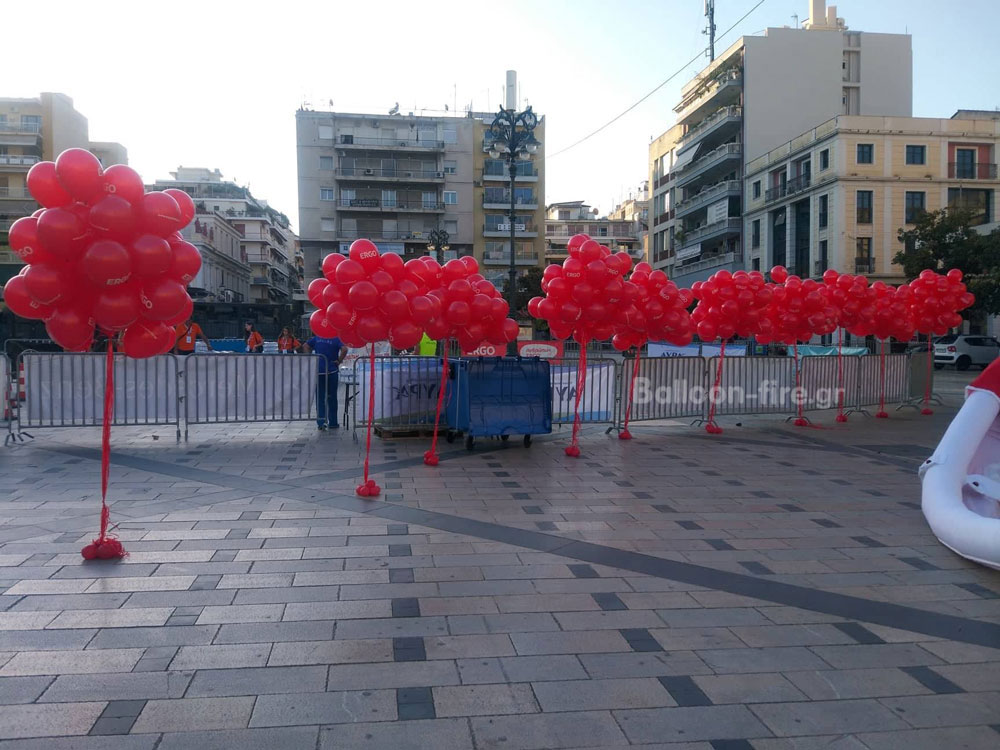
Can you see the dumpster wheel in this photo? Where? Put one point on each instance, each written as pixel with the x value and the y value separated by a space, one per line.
pixel 527 441
pixel 450 436
pixel 505 438
pixel 470 442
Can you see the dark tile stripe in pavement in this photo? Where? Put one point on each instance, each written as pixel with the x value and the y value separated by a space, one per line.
pixel 684 690
pixel 932 680
pixel 859 633
pixel 898 616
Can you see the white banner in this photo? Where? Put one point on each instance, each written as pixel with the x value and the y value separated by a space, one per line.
pixel 597 402
pixel 406 390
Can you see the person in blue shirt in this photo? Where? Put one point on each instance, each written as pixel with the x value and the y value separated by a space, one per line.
pixel 332 353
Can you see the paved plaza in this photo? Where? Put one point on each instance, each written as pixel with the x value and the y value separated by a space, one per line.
pixel 771 587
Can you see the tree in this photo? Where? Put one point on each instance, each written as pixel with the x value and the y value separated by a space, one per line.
pixel 529 284
pixel 945 239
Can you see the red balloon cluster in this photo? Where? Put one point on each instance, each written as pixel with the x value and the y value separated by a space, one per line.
pixel 587 297
pixel 660 312
pixel 936 301
pixel 798 310
pixel 103 255
pixel 730 304
pixel 368 297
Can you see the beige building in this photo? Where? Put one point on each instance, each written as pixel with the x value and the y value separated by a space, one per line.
pixel 33 130
pixel 761 92
pixel 395 178
pixel 837 195
pixel 266 269
pixel 635 210
pixel 563 220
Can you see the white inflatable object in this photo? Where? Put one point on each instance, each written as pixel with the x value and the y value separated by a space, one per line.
pixel 961 480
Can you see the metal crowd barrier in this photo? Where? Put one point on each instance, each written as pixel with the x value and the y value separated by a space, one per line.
pixel 67 390
pixel 406 392
pixel 751 385
pixel 221 388
pixel 819 378
pixel 897 372
pixel 9 390
pixel 665 388
pixel 598 404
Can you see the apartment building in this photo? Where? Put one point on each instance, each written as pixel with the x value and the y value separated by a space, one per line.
pixel 563 220
pixel 761 92
pixel 266 269
pixel 33 130
pixel 395 178
pixel 837 195
pixel 635 210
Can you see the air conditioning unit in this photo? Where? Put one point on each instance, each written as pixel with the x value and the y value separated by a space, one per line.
pixel 409 174
pixel 477 183
pixel 439 174
pixel 369 172
pixel 402 143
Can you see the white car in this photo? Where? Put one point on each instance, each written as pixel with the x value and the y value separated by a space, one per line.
pixel 965 351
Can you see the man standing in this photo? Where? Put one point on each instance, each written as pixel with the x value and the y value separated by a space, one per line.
pixel 332 353
pixel 187 332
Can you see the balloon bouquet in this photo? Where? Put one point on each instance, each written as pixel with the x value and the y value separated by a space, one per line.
pixel 369 297
pixel 103 256
pixel 585 298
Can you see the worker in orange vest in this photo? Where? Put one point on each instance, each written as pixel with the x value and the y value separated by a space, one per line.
pixel 253 339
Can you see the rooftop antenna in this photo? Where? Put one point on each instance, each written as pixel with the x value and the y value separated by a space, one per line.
pixel 710 29
pixel 795 20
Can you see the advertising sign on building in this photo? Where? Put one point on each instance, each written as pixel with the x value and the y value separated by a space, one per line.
pixel 718 211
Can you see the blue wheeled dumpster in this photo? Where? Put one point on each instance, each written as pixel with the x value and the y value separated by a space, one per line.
pixel 499 396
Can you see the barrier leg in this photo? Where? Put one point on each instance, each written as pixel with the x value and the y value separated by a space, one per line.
pixel 800 419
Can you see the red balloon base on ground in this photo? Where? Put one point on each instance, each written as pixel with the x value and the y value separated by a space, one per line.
pixel 624 435
pixel 109 549
pixel 713 429
pixel 430 458
pixel 841 418
pixel 801 422
pixel 368 489
pixel 882 415
pixel 573 450
pixel 926 412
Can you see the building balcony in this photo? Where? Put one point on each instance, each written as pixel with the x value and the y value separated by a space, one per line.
pixel 260 280
pixel 367 174
pixel 377 204
pixel 718 191
pixel 864 264
pixel 715 230
pixel 520 203
pixel 793 186
pixel 21 127
pixel 663 218
pixel 15 193
pixel 503 230
pixel 503 259
pixel 704 264
pixel 375 235
pixel 720 125
pixel 957 171
pixel 715 163
pixel 523 175
pixel 345 141
pixel 724 90
pixel 18 160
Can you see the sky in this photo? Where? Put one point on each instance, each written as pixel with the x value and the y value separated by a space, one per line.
pixel 216 84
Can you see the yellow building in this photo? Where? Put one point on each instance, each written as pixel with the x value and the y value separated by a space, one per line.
pixel 34 130
pixel 837 195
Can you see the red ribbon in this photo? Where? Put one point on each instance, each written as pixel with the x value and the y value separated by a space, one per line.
pixel 431 457
pixel 712 427
pixel 625 434
pixel 882 413
pixel 368 488
pixel 927 387
pixel 581 381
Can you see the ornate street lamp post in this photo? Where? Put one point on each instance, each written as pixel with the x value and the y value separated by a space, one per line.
pixel 438 240
pixel 513 139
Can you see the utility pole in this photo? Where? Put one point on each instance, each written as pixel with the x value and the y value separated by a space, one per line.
pixel 710 30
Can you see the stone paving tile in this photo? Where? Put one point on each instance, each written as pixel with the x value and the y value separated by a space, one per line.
pixel 194 714
pixel 688 724
pixel 440 734
pixel 71 662
pixel 221 657
pixel 331 652
pixel 324 708
pixel 597 695
pixel 931 739
pixel 116 687
pixel 544 731
pixel 256 681
pixel 484 700
pixel 830 717
pixel 48 720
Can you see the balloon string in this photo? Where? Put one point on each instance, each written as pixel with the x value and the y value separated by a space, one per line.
pixel 109 409
pixel 631 387
pixel 441 388
pixel 581 382
pixel 798 381
pixel 713 396
pixel 371 408
pixel 840 371
pixel 881 384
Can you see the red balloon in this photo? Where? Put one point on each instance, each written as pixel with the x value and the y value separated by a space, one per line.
pixel 113 216
pixel 162 299
pixel 159 214
pixel 349 272
pixel 45 187
pixel 392 264
pixel 151 255
pixel 437 328
pixel 340 315
pixel 106 263
pixel 80 173
pixel 590 251
pixel 365 253
pixel 183 315
pixel 395 306
pixel 186 262
pixel 315 290
pixel 331 293
pixel 319 325
pixel 363 295
pixel 499 308
pixel 458 313
pixel 17 299
pixel 71 328
pixel 144 339
pixel 383 281
pixel 330 263
pixel 510 329
pixel 45 283
pixel 460 290
pixel 452 270
pixel 61 232
pixel 779 274
pixel 124 182
pixel 372 328
pixel 405 334
pixel 23 240
pixel 573 246
pixel 116 310
pixel 470 263
pixel 184 203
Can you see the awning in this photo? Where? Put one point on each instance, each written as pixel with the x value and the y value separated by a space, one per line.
pixel 689 252
pixel 684 158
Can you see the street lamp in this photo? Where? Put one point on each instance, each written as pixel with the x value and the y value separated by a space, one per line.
pixel 513 139
pixel 437 239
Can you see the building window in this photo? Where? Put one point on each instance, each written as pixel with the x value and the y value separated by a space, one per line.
pixel 863 261
pixel 823 257
pixel 327 194
pixel 756 189
pixel 326 132
pixel 328 225
pixel 824 159
pixel 824 210
pixel 755 233
pixel 326 162
pixel 864 215
pixel 976 202
pixel 866 153
pixel 449 134
pixel 916 154
pixel 450 166
pixel 451 197
pixel 756 264
pixel 451 227
pixel 915 205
